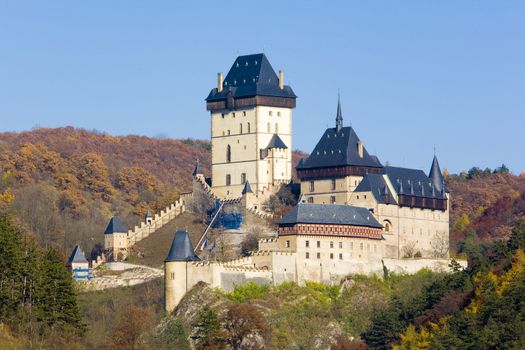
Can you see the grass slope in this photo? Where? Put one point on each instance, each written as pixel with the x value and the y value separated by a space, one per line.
pixel 155 248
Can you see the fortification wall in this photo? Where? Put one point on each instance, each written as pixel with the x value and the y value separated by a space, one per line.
pixel 142 231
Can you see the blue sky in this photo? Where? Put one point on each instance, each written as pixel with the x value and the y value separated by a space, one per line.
pixel 412 74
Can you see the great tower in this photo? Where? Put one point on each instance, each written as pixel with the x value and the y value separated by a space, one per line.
pixel 251 129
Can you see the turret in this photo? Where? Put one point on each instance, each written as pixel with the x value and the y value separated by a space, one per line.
pixel 176 281
pixel 78 264
pixel 197 170
pixel 115 240
pixel 248 196
pixel 149 217
pixel 436 176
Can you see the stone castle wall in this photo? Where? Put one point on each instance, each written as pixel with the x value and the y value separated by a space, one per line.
pixel 160 219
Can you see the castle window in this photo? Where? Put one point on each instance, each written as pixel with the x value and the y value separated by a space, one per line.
pixel 243 178
pixel 318 244
pixel 352 245
pixel 375 248
pixel 270 113
pixel 388 226
pixel 340 256
pixel 331 244
pixel 172 276
pixel 233 114
pixel 340 245
pixel 312 186
pixel 318 255
pixel 361 246
pixel 269 127
pixel 240 128
pixel 244 114
pixel 332 199
pixel 310 200
pixel 331 255
pixel 228 152
pixel 287 244
pixel 222 114
pixel 333 184
pixel 307 255
pixel 228 180
pixel 278 114
pixel 276 128
pixel 307 244
pixel 248 128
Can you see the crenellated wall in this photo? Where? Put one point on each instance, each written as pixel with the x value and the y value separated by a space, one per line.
pixel 160 219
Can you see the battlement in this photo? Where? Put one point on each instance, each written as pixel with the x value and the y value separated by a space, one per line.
pixel 160 219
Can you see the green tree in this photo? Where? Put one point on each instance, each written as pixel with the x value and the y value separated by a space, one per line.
pixel 11 269
pixel 57 298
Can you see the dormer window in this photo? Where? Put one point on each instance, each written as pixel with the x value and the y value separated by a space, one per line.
pixel 255 62
pixel 237 65
pixel 246 64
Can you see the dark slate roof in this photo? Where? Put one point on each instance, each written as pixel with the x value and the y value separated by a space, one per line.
pixel 247 188
pixel 181 248
pixel 115 225
pixel 376 184
pixel 338 148
pixel 251 75
pixel 77 256
pixel 276 142
pixel 148 214
pixel 412 182
pixel 197 169
pixel 436 176
pixel 330 214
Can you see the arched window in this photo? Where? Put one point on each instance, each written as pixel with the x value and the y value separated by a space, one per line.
pixel 240 128
pixel 276 128
pixel 228 154
pixel 269 127
pixel 388 226
pixel 248 128
pixel 228 180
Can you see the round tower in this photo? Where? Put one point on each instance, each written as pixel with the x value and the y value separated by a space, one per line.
pixel 176 269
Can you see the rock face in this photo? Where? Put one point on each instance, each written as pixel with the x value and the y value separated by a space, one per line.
pixel 119 274
pixel 202 295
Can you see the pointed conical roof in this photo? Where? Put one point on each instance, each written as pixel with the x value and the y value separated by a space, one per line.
pixel 115 225
pixel 197 169
pixel 339 117
pixel 148 214
pixel 181 248
pixel 77 256
pixel 247 188
pixel 435 175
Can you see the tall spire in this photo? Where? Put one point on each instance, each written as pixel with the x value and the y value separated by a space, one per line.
pixel 339 118
pixel 435 175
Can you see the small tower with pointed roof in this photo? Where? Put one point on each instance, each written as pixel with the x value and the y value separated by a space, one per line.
pixel 115 240
pixel 248 197
pixel 78 264
pixel 149 217
pixel 176 269
pixel 436 176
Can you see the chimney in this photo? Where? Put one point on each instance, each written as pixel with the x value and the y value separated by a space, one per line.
pixel 219 82
pixel 360 149
pixel 281 79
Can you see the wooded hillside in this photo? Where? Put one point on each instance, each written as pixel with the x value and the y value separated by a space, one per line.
pixel 65 183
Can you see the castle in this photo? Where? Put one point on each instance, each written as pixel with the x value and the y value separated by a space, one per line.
pixel 355 214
